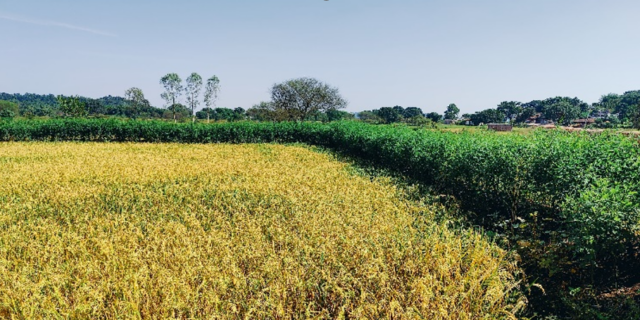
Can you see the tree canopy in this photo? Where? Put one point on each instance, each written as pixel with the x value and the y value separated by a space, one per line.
pixel 451 112
pixel 8 109
pixel 297 99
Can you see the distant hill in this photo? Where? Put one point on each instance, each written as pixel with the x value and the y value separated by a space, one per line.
pixel 47 105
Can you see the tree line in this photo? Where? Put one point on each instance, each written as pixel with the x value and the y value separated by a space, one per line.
pixel 302 99
pixel 308 99
pixel 611 110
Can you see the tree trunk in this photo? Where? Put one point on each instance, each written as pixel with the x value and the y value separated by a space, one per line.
pixel 174 110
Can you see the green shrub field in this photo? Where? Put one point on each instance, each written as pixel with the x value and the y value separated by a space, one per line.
pixel 568 203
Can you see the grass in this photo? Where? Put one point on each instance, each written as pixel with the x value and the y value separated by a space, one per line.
pixel 155 231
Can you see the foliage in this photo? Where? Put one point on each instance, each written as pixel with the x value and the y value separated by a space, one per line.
pixel 389 115
pixel 192 90
pixel 487 116
pixel 634 115
pixel 136 98
pixel 626 104
pixel 411 112
pixel 172 84
pixel 297 99
pixel 229 232
pixel 219 114
pixel 434 116
pixel 263 111
pixel 420 121
pixel 511 109
pixel 47 106
pixel 337 115
pixel 72 106
pixel 525 114
pixel 561 112
pixel 369 117
pixel 211 91
pixel 8 109
pixel 607 123
pixel 451 112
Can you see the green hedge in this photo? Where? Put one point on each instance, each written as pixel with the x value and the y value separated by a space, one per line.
pixel 567 202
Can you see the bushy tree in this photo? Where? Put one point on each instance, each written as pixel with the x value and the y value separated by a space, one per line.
pixel 525 114
pixel 8 109
pixel 434 116
pixel 411 112
pixel 302 97
pixel 511 109
pixel 72 106
pixel 536 105
pixel 562 112
pixel 400 109
pixel 487 116
pixel 239 114
pixel 610 102
pixel 628 104
pixel 389 115
pixel 452 112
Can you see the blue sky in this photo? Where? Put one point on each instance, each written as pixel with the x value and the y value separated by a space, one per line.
pixel 420 53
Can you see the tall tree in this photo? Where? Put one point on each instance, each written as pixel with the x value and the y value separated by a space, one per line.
pixel 452 111
pixel 211 90
pixel 302 97
pixel 194 85
pixel 172 90
pixel 136 99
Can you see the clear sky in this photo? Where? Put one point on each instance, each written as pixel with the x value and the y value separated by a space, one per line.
pixel 424 53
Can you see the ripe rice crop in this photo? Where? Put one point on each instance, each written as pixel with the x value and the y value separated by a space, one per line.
pixel 156 231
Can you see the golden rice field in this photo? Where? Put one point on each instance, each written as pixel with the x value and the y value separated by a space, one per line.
pixel 157 231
